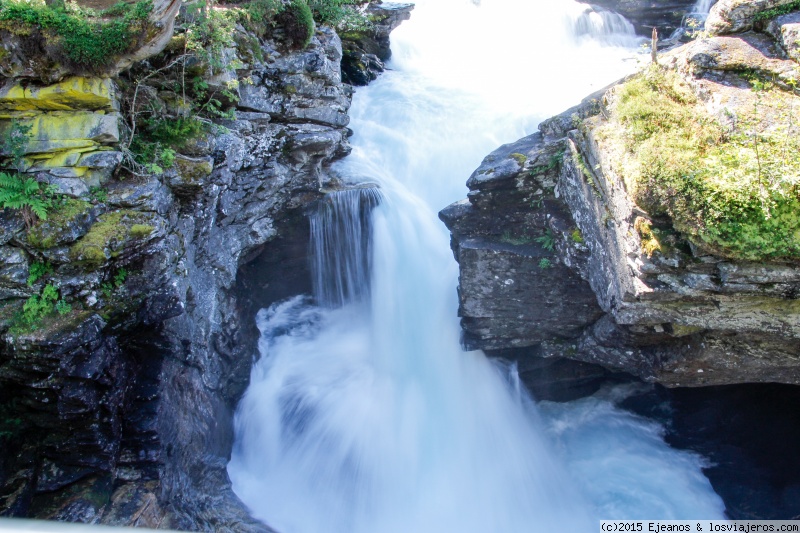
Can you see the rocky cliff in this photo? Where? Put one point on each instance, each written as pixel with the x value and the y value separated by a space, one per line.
pixel 127 311
pixel 653 228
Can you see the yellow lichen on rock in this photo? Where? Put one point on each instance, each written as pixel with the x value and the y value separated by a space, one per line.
pixel 59 130
pixel 74 93
pixel 66 125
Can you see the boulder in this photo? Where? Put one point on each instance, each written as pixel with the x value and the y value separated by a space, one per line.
pixel 734 16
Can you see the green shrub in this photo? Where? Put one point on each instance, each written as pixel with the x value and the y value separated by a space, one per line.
pixel 341 14
pixel 547 240
pixel 298 23
pixel 258 16
pixel 210 33
pixel 80 37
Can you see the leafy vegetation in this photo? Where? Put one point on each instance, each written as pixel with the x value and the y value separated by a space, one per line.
pixel 84 38
pixel 109 287
pixel 26 195
pixel 37 307
pixel 98 195
pixel 341 14
pixel 298 23
pixel 37 271
pixel 545 263
pixel 735 190
pixel 777 11
pixel 547 240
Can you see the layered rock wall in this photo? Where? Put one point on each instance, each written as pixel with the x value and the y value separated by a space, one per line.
pixel 554 253
pixel 119 410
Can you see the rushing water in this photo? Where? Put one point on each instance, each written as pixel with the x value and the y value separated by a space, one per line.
pixel 363 414
pixel 703 6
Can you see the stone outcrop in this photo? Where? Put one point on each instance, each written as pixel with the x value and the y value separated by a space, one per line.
pixel 366 51
pixel 735 16
pixel 31 52
pixel 119 410
pixel 555 254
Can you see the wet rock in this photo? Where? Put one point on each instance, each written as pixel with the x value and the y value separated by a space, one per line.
pixel 137 383
pixel 364 52
pixel 188 174
pixel 65 224
pixel 13 273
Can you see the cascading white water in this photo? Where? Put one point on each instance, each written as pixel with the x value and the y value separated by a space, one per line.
pixel 605 26
pixel 369 417
pixel 340 240
pixel 703 6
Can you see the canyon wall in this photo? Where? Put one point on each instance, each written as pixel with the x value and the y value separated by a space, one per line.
pixel 557 256
pixel 117 408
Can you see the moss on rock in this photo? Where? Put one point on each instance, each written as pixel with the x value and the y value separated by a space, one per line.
pixel 109 236
pixel 732 191
pixel 66 223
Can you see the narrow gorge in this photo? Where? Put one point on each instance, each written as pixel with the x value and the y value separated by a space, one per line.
pixel 236 308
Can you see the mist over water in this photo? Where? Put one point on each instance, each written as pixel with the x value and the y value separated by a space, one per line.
pixel 363 414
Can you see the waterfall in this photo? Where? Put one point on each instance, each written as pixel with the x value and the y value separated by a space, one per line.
pixel 703 6
pixel 603 25
pixel 367 417
pixel 341 245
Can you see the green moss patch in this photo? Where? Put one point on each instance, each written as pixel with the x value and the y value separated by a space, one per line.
pixel 647 236
pixel 109 235
pixel 63 225
pixel 732 190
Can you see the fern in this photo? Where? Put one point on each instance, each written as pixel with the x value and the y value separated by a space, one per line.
pixel 38 307
pixel 548 240
pixel 25 195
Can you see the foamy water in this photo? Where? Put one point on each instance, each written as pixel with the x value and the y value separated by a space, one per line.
pixel 368 417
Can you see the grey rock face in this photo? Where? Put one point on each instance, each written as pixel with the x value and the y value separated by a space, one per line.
pixel 786 32
pixel 364 52
pixel 679 317
pixel 128 400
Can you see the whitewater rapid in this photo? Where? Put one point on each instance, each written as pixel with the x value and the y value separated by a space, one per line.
pixel 363 414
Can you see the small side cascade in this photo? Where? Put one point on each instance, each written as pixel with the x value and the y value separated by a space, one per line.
pixel 694 21
pixel 341 239
pixel 602 25
pixel 703 6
